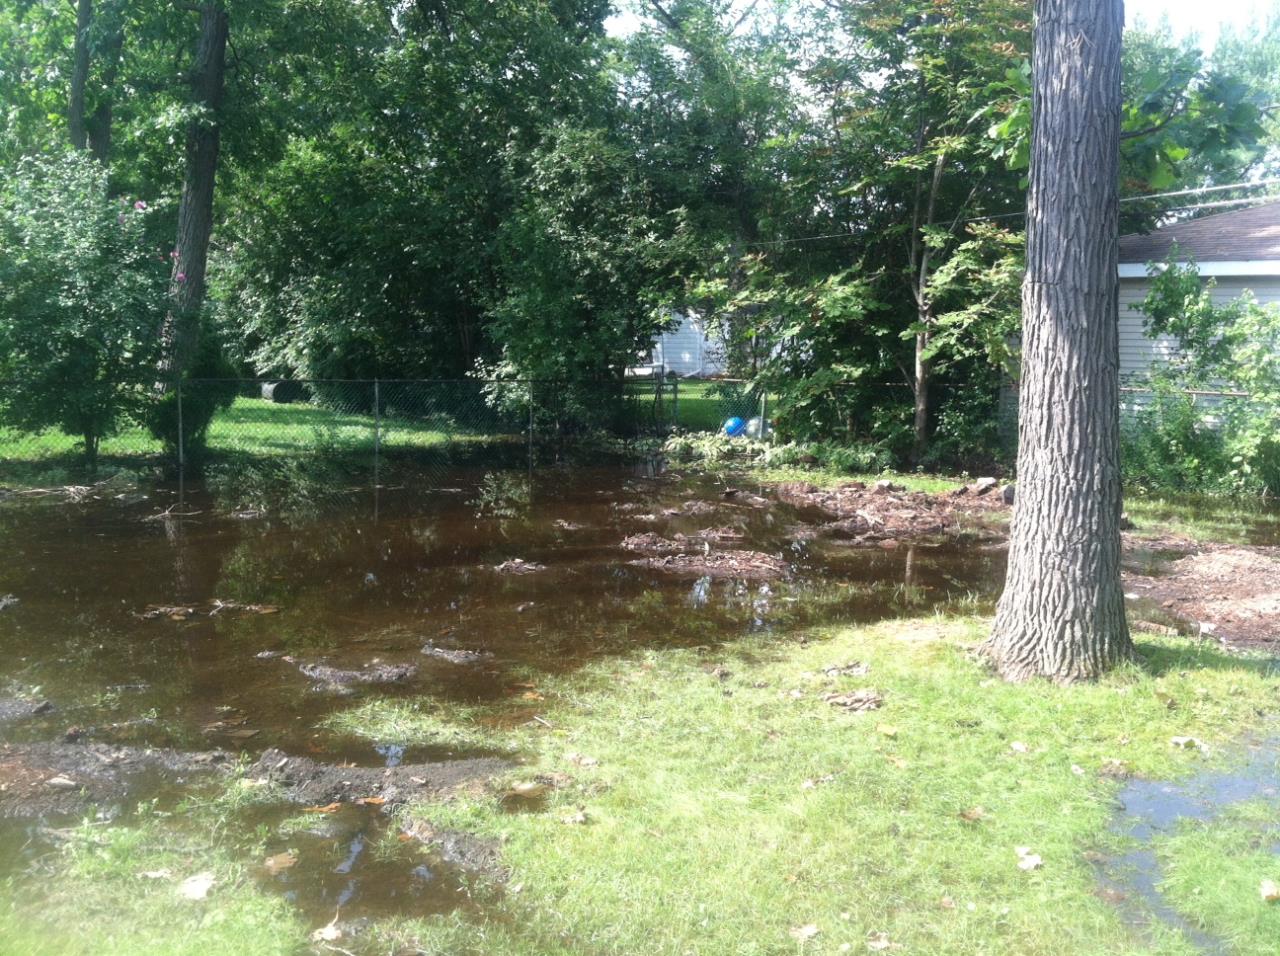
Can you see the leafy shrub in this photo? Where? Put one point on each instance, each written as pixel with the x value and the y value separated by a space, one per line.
pixel 207 389
pixel 82 295
pixel 1227 443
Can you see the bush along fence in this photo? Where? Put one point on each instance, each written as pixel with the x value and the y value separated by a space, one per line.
pixel 180 428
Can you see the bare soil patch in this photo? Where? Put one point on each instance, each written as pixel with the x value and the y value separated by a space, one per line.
pixel 885 511
pixel 1225 592
pixel 64 778
pixel 320 784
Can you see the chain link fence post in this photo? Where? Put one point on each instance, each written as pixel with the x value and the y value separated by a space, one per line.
pixel 531 426
pixel 182 456
pixel 377 430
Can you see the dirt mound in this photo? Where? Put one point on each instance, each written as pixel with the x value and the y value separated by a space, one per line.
pixel 464 850
pixel 308 781
pixel 886 510
pixel 65 778
pixel 651 543
pixel 748 565
pixel 1230 593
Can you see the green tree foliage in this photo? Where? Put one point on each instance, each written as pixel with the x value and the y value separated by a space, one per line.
pixel 1214 418
pixel 437 187
pixel 82 292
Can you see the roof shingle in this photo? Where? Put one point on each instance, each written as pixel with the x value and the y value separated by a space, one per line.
pixel 1241 234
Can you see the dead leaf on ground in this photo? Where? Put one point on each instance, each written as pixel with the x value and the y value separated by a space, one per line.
pixel 897 761
pixel 328 933
pixel 856 701
pixel 1028 860
pixel 878 942
pixel 196 887
pixel 802 934
pixel 1186 743
pixel 813 783
pixel 581 760
pixel 280 862
pixel 577 818
pixel 370 801
pixel 887 729
pixel 851 669
pixel 1019 747
pixel 156 875
pixel 973 814
pixel 527 789
pixel 327 808
pixel 1111 767
pixel 1269 890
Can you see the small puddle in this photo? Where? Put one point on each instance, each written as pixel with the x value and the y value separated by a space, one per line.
pixel 355 863
pixel 1150 809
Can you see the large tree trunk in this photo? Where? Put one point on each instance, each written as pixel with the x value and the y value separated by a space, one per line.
pixel 920 393
pixel 98 124
pixel 79 75
pixel 1062 614
pixel 181 332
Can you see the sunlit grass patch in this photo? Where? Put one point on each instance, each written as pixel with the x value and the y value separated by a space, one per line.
pixel 412 722
pixel 1214 873
pixel 118 890
pixel 729 812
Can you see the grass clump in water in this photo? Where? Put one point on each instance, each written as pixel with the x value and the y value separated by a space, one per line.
pixel 412 723
pixel 1214 872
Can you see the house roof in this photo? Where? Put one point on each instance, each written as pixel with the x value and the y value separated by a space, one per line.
pixel 1241 235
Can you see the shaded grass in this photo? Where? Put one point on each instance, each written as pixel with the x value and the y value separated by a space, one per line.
pixel 1219 520
pixel 250 428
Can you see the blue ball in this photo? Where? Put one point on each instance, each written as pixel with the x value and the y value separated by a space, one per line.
pixel 734 426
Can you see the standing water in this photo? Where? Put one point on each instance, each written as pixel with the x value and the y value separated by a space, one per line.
pixel 240 622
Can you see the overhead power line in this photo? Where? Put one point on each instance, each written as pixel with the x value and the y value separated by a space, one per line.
pixel 1256 184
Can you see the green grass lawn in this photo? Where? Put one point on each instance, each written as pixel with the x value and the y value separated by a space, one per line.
pixel 703 407
pixel 712 802
pixel 250 427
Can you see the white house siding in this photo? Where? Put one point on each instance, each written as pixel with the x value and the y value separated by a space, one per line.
pixel 1138 353
pixel 689 350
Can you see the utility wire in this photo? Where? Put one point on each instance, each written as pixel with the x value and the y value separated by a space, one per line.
pixel 1256 184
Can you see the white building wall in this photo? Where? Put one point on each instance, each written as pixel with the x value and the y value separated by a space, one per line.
pixel 1139 353
pixel 689 350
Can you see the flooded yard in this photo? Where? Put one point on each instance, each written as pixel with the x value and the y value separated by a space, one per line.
pixel 339 653
pixel 190 624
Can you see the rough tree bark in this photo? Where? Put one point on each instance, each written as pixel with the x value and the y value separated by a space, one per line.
pixel 98 124
pixel 92 131
pixel 180 334
pixel 79 75
pixel 1062 614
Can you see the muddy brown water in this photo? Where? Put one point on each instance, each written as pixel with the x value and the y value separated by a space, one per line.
pixel 362 575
